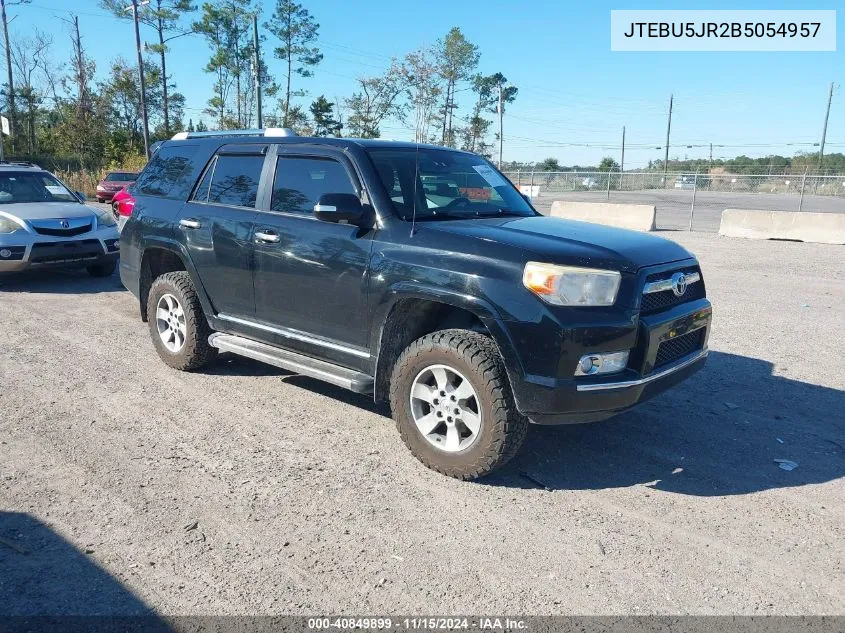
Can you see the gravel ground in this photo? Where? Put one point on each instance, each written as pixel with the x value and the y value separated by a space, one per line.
pixel 127 487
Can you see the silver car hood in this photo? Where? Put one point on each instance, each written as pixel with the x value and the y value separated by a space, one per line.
pixel 47 210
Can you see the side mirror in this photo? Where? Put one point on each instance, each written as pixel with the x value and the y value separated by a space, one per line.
pixel 339 207
pixel 81 196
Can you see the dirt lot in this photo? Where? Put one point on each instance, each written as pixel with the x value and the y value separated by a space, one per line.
pixel 127 487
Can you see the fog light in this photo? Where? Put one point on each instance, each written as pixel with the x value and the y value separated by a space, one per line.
pixel 604 363
pixel 5 253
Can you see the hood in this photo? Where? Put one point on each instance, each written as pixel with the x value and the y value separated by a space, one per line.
pixel 559 241
pixel 47 210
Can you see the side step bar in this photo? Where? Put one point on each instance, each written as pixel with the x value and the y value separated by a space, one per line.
pixel 297 363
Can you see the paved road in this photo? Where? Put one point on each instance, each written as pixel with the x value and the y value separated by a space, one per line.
pixel 675 206
pixel 127 487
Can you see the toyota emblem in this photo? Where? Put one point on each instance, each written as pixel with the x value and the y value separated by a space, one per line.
pixel 679 284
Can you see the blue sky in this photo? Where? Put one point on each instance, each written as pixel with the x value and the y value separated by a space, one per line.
pixel 574 93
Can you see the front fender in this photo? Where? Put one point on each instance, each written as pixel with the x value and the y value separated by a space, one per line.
pixel 477 306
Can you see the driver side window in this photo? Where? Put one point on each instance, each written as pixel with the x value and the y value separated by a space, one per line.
pixel 300 181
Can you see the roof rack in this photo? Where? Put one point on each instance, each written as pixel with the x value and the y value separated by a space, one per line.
pixel 20 163
pixel 270 131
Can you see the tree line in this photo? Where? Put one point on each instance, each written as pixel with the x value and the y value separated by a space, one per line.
pixel 772 164
pixel 70 112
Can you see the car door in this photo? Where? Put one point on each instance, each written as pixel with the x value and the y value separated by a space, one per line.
pixel 217 224
pixel 310 276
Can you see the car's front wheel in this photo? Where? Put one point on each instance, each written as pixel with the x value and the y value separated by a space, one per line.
pixel 453 404
pixel 177 323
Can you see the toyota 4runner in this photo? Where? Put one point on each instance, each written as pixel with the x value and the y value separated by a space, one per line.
pixel 414 273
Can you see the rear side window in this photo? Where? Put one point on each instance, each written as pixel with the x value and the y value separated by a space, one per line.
pixel 168 174
pixel 300 181
pixel 234 180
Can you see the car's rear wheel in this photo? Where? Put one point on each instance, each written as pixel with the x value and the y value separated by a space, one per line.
pixel 178 326
pixel 105 269
pixel 453 404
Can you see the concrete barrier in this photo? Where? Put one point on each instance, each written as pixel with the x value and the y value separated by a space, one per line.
pixel 639 217
pixel 822 228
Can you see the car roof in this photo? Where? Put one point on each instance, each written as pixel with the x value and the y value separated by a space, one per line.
pixel 221 138
pixel 19 166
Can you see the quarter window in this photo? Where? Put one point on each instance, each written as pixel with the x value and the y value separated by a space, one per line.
pixel 300 181
pixel 168 174
pixel 234 180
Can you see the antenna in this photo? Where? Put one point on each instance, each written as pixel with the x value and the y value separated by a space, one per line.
pixel 416 178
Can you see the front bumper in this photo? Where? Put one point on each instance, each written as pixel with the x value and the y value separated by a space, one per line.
pixel 107 196
pixel 20 251
pixel 594 398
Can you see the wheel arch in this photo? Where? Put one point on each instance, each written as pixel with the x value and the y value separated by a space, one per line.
pixel 414 312
pixel 163 256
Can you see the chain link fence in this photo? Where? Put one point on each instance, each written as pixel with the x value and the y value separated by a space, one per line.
pixel 686 201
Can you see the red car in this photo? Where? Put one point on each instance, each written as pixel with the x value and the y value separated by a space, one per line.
pixel 113 182
pixel 121 205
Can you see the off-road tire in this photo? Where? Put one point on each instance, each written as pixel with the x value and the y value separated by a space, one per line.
pixel 196 352
pixel 476 356
pixel 102 270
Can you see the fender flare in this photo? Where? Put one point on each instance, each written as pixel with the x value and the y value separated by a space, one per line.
pixel 178 249
pixel 481 308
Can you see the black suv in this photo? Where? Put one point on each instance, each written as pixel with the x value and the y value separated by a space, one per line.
pixel 416 273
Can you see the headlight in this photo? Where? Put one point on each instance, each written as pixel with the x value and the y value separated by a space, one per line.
pixel 8 225
pixel 571 286
pixel 104 218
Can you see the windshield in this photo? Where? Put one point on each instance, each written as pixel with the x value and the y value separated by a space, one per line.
pixel 33 187
pixel 120 176
pixel 443 184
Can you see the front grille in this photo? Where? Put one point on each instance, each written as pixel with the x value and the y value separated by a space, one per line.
pixel 65 252
pixel 76 230
pixel 676 348
pixel 659 301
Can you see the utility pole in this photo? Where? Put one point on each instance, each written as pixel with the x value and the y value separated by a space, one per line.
pixel 144 123
pixel 824 129
pixel 12 111
pixel 501 116
pixel 622 162
pixel 711 155
pixel 259 117
pixel 668 129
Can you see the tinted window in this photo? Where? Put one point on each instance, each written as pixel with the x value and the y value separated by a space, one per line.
pixel 300 182
pixel 235 180
pixel 168 174
pixel 201 193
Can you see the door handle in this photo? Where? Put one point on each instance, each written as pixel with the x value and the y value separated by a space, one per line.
pixel 267 237
pixel 190 223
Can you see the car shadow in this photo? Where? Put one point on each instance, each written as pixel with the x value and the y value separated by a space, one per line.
pixel 233 365
pixel 45 580
pixel 59 281
pixel 718 433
